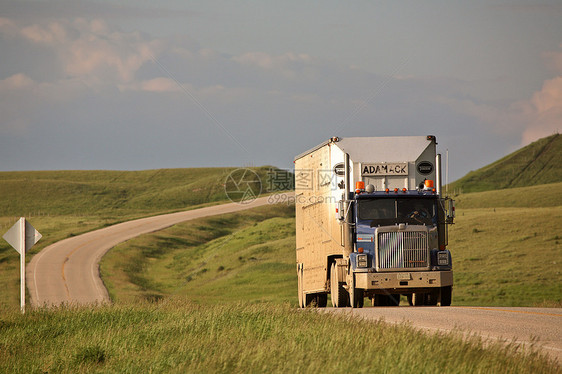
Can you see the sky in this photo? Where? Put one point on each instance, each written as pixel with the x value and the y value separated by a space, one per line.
pixel 134 85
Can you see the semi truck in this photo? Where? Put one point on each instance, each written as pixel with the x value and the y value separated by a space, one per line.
pixel 371 222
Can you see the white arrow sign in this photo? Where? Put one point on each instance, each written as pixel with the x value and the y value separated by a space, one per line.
pixel 14 237
pixel 22 236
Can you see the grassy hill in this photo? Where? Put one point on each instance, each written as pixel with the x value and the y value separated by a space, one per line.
pixel 536 164
pixel 112 193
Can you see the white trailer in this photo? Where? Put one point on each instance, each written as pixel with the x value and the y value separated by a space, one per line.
pixel 371 222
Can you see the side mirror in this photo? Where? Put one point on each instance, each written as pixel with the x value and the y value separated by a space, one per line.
pixel 450 210
pixel 340 210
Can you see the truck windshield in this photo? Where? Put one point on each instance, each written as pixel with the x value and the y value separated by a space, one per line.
pixel 390 211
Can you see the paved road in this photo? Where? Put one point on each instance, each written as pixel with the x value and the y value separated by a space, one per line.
pixel 68 271
pixel 523 325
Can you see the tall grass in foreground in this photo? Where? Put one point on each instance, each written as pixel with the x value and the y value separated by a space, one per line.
pixel 178 336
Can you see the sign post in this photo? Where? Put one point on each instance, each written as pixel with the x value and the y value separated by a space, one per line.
pixel 22 236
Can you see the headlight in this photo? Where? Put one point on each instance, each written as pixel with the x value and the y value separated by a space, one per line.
pixel 443 258
pixel 362 261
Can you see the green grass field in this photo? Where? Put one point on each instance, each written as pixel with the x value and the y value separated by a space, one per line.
pixel 507 257
pixel 177 336
pixel 506 247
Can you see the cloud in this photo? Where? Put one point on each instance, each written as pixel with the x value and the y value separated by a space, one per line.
pixel 8 27
pixel 288 64
pixel 158 85
pixel 267 61
pixel 87 48
pixel 544 111
pixel 531 119
pixel 16 82
pixel 53 33
pixel 103 56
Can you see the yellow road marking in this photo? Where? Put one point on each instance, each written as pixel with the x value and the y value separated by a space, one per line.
pixel 64 263
pixel 77 248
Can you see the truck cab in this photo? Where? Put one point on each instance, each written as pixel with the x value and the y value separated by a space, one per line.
pixel 399 247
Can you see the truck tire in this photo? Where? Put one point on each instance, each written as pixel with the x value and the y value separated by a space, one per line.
pixel 446 296
pixel 356 295
pixel 321 300
pixel 315 300
pixel 432 298
pixel 339 295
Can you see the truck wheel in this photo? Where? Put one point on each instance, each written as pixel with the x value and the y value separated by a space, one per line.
pixel 309 300
pixel 321 300
pixel 446 296
pixel 432 298
pixel 338 294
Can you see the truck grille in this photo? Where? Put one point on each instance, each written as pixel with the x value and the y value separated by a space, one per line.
pixel 403 250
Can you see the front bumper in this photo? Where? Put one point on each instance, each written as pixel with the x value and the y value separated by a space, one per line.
pixel 403 280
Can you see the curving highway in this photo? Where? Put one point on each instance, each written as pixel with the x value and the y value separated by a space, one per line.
pixel 68 271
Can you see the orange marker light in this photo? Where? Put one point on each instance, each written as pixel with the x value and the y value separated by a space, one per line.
pixel 360 185
pixel 360 249
pixel 396 190
pixel 428 183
